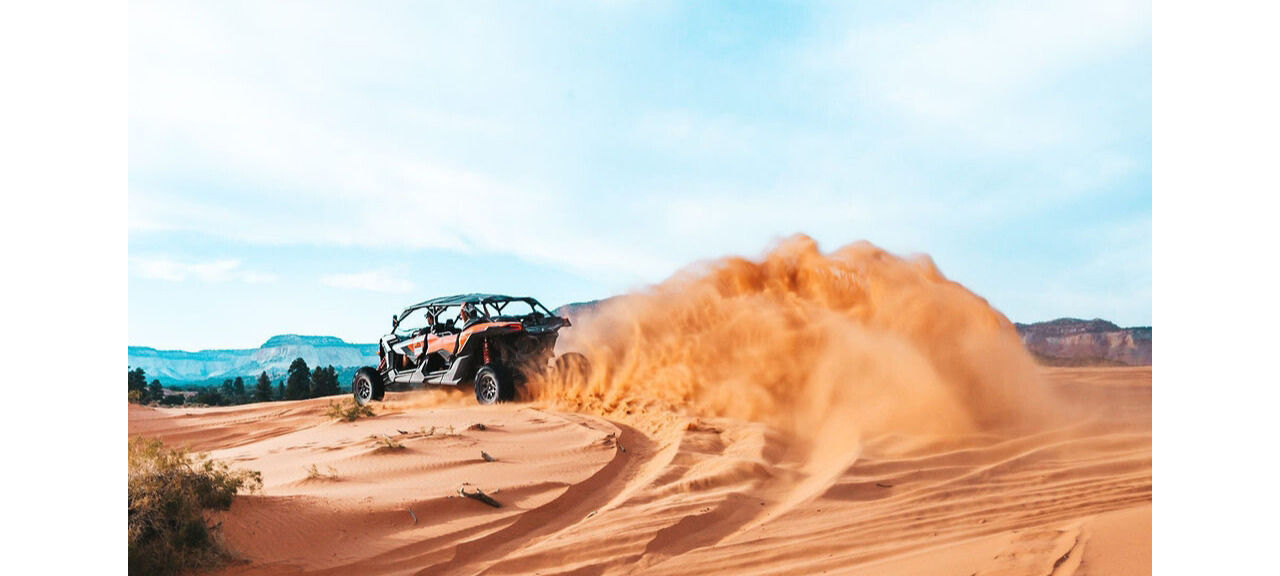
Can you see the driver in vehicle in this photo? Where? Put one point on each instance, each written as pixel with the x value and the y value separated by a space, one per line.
pixel 437 328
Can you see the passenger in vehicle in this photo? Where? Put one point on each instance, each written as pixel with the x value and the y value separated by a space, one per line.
pixel 468 316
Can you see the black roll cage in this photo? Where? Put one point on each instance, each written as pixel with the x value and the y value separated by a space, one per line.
pixel 497 303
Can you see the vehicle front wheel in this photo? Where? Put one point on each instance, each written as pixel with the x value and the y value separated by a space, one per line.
pixel 492 386
pixel 367 386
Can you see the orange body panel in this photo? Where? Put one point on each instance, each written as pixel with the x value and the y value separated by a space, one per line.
pixel 446 342
pixel 481 327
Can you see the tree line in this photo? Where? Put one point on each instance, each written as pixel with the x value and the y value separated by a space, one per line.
pixel 300 382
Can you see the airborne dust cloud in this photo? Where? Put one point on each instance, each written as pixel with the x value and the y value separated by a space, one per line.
pixel 851 344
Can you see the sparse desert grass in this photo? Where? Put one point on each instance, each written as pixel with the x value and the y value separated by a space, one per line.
pixel 314 473
pixel 348 410
pixel 389 444
pixel 435 432
pixel 169 489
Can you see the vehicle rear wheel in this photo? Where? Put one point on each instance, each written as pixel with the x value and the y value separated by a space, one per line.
pixel 367 386
pixel 493 386
pixel 572 367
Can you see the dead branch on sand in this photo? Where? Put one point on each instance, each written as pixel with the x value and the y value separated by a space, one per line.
pixel 477 494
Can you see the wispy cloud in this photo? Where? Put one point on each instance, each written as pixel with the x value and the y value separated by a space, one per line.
pixel 170 270
pixel 991 73
pixel 370 280
pixel 339 174
pixel 491 131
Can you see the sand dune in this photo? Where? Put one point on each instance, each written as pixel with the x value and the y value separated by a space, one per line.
pixel 583 494
pixel 806 413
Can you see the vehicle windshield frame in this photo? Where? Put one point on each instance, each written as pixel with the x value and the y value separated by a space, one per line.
pixel 395 329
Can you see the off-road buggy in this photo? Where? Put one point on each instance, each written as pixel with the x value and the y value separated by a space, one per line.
pixel 491 341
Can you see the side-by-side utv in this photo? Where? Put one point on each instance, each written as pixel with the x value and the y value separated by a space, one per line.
pixel 489 340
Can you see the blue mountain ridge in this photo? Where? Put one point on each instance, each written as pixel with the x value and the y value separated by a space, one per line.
pixel 178 367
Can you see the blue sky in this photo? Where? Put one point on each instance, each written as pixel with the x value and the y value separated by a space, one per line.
pixel 313 167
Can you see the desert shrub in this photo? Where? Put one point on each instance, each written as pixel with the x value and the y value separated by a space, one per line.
pixel 210 397
pixel 389 444
pixel 314 473
pixel 348 410
pixel 135 396
pixel 169 489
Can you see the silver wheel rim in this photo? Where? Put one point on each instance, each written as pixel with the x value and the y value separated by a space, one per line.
pixel 364 391
pixel 488 387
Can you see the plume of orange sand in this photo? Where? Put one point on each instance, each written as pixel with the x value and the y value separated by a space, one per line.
pixel 850 344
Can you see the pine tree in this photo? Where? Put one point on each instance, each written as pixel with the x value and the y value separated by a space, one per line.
pixel 324 382
pixel 298 385
pixel 155 392
pixel 331 381
pixel 237 388
pixel 263 391
pixel 138 383
pixel 280 390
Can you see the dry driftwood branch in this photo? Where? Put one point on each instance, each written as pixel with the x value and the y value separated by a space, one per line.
pixel 487 457
pixel 476 494
pixel 415 516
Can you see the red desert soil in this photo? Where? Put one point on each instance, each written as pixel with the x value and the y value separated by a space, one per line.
pixel 656 493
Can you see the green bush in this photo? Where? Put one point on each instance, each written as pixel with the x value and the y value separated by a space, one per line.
pixel 169 489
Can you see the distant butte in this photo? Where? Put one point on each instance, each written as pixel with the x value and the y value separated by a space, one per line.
pixel 1075 342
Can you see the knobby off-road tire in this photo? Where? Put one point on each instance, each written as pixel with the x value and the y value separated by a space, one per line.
pixel 494 385
pixel 367 386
